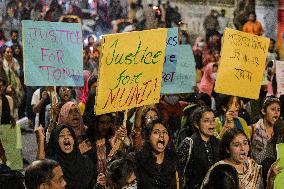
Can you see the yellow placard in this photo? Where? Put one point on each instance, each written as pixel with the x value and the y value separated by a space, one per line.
pixel 130 70
pixel 242 64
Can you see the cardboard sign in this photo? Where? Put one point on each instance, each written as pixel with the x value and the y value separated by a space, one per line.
pixel 242 64
pixel 53 53
pixel 280 76
pixel 130 70
pixel 11 139
pixel 279 180
pixel 183 77
pixel 170 61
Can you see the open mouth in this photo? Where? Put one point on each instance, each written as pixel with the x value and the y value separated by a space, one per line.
pixel 211 130
pixel 243 155
pixel 67 144
pixel 161 144
pixel 275 118
pixel 75 119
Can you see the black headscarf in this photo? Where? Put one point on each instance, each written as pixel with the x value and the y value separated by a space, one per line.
pixel 77 169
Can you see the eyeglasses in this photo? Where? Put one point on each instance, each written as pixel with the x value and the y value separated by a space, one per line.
pixel 151 118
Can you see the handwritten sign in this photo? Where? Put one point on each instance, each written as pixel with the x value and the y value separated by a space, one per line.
pixel 11 139
pixel 172 38
pixel 279 180
pixel 130 70
pixel 184 76
pixel 170 61
pixel 280 76
pixel 52 53
pixel 242 64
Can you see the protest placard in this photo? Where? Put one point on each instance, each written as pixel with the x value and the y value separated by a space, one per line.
pixel 130 70
pixel 53 53
pixel 170 61
pixel 11 139
pixel 172 38
pixel 182 78
pixel 280 76
pixel 279 180
pixel 242 64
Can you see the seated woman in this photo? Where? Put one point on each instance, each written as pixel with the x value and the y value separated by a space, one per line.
pixel 234 150
pixel 63 147
pixel 197 153
pixel 266 133
pixel 156 162
pixel 222 176
pixel 228 108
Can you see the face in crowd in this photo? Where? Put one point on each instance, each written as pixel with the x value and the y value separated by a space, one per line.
pixel 66 141
pixel 151 115
pixel 239 149
pixel 8 54
pixel 14 37
pixel 159 138
pixel 65 94
pixel 252 17
pixel 271 111
pixel 57 181
pixel 131 182
pixel 233 108
pixel 73 119
pixel 206 125
pixel 105 124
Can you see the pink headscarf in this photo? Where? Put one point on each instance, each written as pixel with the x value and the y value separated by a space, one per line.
pixel 63 119
pixel 80 97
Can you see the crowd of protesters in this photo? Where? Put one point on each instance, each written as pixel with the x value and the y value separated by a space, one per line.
pixel 197 140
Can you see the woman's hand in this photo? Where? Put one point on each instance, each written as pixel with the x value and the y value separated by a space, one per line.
pixel 229 118
pixel 85 146
pixel 101 180
pixel 40 134
pixel 121 133
pixel 274 170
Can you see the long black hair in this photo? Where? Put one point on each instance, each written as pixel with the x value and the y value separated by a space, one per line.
pixel 119 169
pixel 147 148
pixel 223 176
pixel 92 132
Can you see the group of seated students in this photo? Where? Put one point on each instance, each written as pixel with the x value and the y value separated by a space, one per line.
pixel 220 150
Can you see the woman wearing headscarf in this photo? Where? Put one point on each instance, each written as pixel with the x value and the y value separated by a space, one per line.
pixel 63 147
pixel 70 115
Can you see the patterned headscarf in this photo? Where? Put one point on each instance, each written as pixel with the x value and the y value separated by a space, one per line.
pixel 63 119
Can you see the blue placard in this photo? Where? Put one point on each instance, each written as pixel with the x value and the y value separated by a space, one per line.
pixel 184 77
pixel 53 53
pixel 170 61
